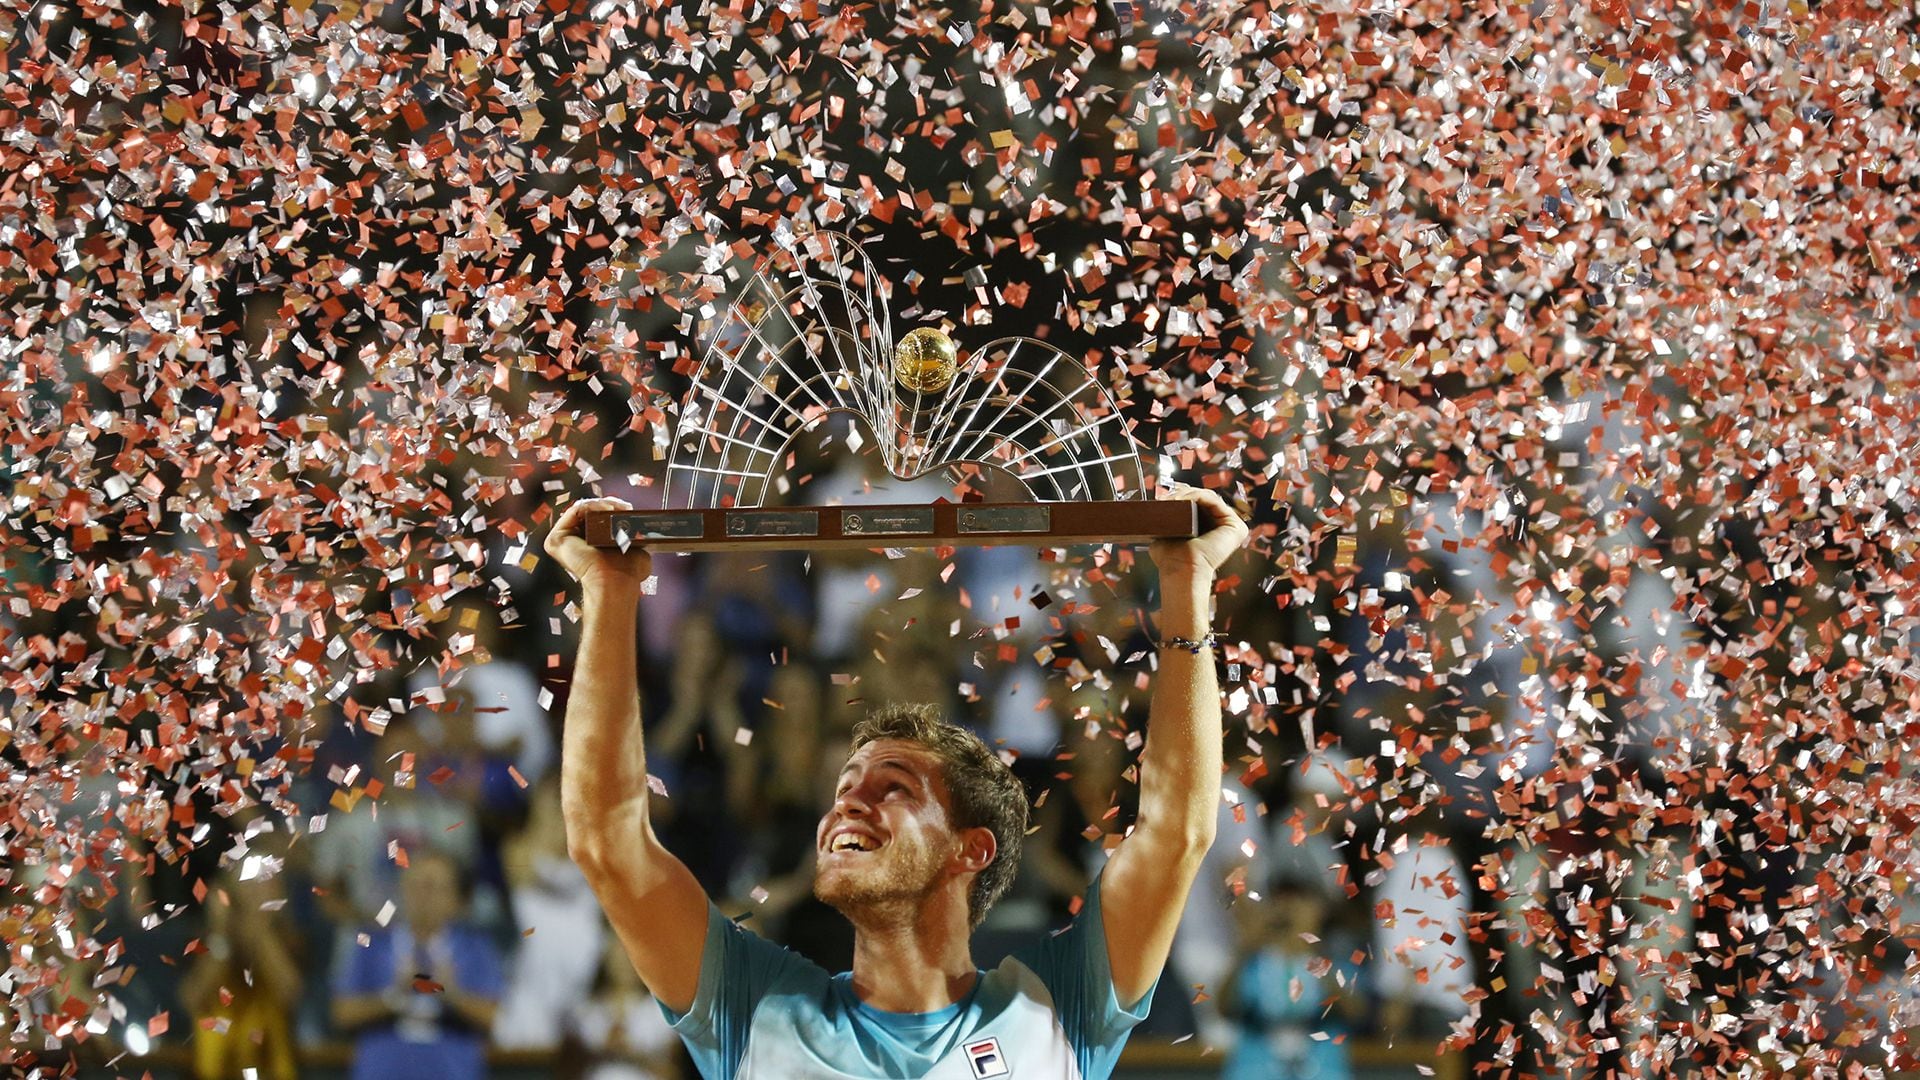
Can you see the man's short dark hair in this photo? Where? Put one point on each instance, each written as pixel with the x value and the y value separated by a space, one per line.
pixel 983 791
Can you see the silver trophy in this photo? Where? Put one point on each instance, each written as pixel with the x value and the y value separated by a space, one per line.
pixel 810 336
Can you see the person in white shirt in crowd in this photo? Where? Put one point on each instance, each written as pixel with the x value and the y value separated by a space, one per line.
pixel 616 1031
pixel 563 934
pixel 1420 962
pixel 1257 844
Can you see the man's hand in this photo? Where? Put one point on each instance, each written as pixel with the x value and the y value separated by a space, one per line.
pixel 598 570
pixel 1221 534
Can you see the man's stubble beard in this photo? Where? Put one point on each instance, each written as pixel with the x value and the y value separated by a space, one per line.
pixel 902 876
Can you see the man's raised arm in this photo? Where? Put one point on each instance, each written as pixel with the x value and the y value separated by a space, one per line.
pixel 652 900
pixel 1145 885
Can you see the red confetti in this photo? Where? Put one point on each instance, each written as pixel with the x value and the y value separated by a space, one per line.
pixel 1566 360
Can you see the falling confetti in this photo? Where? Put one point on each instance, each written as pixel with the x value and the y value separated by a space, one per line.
pixel 1565 354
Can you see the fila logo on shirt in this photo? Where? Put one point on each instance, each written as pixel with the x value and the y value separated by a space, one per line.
pixel 986 1059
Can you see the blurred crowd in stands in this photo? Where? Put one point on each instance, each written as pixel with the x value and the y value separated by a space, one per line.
pixel 424 918
pixel 428 913
pixel 1406 713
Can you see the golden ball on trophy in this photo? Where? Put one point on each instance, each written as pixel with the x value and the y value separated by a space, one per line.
pixel 925 361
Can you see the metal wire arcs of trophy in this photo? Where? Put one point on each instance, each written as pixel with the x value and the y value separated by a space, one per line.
pixel 812 337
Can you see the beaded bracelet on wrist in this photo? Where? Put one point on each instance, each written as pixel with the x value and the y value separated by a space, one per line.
pixel 1189 644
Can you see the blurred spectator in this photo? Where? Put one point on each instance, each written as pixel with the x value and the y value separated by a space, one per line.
pixel 243 989
pixel 509 722
pixel 849 586
pixel 694 748
pixel 1058 855
pixel 354 859
pixel 1291 995
pixel 1420 963
pixel 1254 846
pixel 150 948
pixel 900 662
pixel 705 685
pixel 1304 838
pixel 618 1031
pixel 761 602
pixel 420 995
pixel 555 961
pixel 1017 713
pixel 463 765
pixel 797 758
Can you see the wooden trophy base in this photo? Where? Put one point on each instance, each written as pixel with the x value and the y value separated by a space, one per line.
pixel 1031 524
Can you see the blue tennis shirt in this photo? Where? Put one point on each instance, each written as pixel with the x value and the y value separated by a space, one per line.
pixel 763 1012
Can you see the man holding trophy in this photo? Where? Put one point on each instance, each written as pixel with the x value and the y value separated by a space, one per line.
pixel 921 837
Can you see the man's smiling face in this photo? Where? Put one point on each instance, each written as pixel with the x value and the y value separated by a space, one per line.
pixel 887 837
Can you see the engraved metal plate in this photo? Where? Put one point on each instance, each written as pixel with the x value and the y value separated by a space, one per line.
pixel 773 523
pixel 915 522
pixel 1005 519
pixel 654 526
